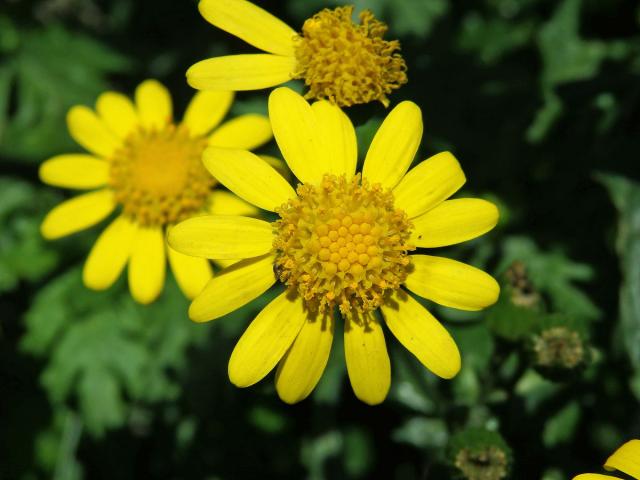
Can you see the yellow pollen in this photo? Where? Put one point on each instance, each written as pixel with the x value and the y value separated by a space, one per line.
pixel 158 176
pixel 346 63
pixel 342 243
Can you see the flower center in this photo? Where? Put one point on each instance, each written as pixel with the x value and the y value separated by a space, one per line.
pixel 158 176
pixel 348 63
pixel 342 243
pixel 558 347
pixel 487 464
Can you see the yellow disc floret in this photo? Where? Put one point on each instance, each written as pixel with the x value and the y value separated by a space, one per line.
pixel 342 243
pixel 348 63
pixel 158 177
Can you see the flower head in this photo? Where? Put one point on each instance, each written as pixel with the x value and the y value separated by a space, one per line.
pixel 342 244
pixel 626 460
pixel 149 168
pixel 339 60
pixel 479 454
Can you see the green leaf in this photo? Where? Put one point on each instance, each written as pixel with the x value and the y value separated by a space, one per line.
pixel 50 71
pixel 625 195
pixel 56 446
pixel 554 274
pixel 24 254
pixel 510 321
pixel 267 419
pixel 423 432
pixel 413 17
pixel 358 450
pixel 560 427
pixel 106 351
pixel 475 342
pixel 494 38
pixel 566 57
pixel 317 451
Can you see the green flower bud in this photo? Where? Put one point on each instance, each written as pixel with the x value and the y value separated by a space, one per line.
pixel 478 454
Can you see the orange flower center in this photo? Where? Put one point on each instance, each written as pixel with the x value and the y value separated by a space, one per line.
pixel 348 63
pixel 342 243
pixel 158 176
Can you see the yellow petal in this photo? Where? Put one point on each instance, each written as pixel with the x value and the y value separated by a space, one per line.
pixel 222 236
pixel 266 340
pixel 154 104
pixel 248 176
pixel 420 333
pixel 297 134
pixel 227 262
pixel 75 171
pixel 78 213
pixel 250 23
pixel 279 164
pixel 147 266
pixel 191 273
pixel 340 144
pixel 245 132
pixel 368 362
pixel 394 145
pixel 226 203
pixel 593 476
pixel 206 110
pixel 118 113
pixel 89 130
pixel 454 221
pixel 428 184
pixel 451 283
pixel 302 366
pixel 233 287
pixel 241 72
pixel 626 459
pixel 109 254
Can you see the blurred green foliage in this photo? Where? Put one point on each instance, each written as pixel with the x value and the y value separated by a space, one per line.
pixel 532 96
pixel 47 70
pixel 24 254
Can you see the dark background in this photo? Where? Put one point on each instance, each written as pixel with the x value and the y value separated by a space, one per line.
pixel 536 98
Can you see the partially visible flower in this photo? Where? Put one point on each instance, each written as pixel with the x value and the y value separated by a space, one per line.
pixel 343 62
pixel 523 292
pixel 150 169
pixel 342 243
pixel 479 454
pixel 559 347
pixel 626 460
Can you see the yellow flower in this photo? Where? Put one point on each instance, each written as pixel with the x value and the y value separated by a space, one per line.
pixel 151 168
pixel 343 62
pixel 626 460
pixel 341 241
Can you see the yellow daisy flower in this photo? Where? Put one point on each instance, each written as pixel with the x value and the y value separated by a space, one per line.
pixel 342 240
pixel 150 167
pixel 626 460
pixel 338 60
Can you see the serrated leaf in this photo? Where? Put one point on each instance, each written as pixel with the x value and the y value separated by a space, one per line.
pixel 24 254
pixel 106 351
